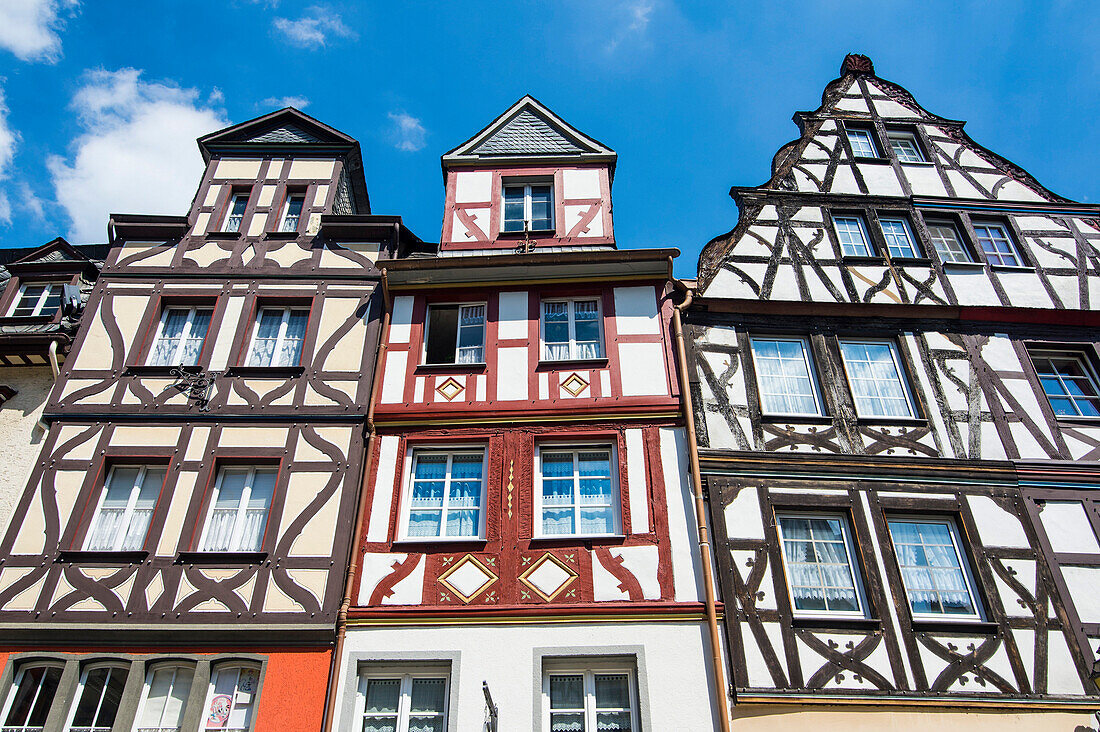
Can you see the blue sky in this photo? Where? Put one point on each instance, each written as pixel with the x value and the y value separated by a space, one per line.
pixel 103 100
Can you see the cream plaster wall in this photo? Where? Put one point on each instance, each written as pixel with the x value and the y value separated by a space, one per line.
pixel 20 438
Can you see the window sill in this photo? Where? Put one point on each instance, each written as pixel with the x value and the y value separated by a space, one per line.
pixel 410 541
pixel 573 363
pixel 847 259
pixel 450 367
pixel 1011 268
pixel 1077 420
pixel 282 234
pixel 147 370
pixel 800 418
pixel 27 319
pixel 893 421
pixel 82 556
pixel 874 160
pixel 531 232
pixel 266 372
pixel 948 266
pixel 221 557
pixel 927 625
pixel 912 261
pixel 829 622
pixel 918 163
pixel 585 539
pixel 223 235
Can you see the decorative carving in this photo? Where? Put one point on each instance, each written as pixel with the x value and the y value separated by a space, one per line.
pixel 548 576
pixel 196 386
pixel 511 487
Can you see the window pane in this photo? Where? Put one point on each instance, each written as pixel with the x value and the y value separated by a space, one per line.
pixel 947 243
pixel 513 208
pixel 290 354
pixel 1068 384
pixel 934 580
pixel 567 692
pixel 875 380
pixel 233 699
pixel 428 696
pixel 555 330
pixel 612 691
pixel 786 385
pixel 471 334
pixel 442 334
pixel 383 696
pixel 863 145
pixel 267 338
pixel 906 149
pixel 898 240
pixel 167 694
pixel 997 245
pixel 100 695
pixel 850 232
pixel 818 564
pixel 293 213
pixel 541 208
pixel 33 697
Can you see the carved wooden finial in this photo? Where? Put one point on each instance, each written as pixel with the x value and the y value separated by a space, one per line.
pixel 857 63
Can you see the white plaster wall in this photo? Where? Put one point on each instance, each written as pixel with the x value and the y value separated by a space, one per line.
pixel 673 666
pixel 20 438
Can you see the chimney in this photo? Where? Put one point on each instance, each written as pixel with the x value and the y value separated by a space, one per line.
pixel 857 63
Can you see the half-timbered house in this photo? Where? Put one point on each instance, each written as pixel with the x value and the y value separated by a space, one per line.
pixel 179 553
pixel 896 399
pixel 527 555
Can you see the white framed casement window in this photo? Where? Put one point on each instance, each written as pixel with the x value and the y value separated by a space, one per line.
pixel 234 214
pixel 445 498
pixel 455 334
pixel 851 231
pixel 899 236
pixel 862 141
pixel 589 698
pixel 818 560
pixel 409 700
pixel 278 336
pixel 237 516
pixel 36 299
pixel 785 377
pixel 164 697
pixel 292 212
pixel 125 508
pixel 528 206
pixel 97 698
pixel 31 697
pixel 231 698
pixel 876 378
pixel 576 491
pixel 997 244
pixel 572 329
pixel 937 578
pixel 906 147
pixel 180 335
pixel 947 242
pixel 1068 381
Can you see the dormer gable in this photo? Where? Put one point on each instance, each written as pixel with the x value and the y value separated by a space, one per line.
pixel 527 180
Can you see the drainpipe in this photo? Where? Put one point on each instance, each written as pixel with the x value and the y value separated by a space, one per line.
pixel 721 700
pixel 360 514
pixel 54 365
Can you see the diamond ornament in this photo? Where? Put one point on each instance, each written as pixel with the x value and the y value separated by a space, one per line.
pixel 574 384
pixel 450 388
pixel 548 576
pixel 468 578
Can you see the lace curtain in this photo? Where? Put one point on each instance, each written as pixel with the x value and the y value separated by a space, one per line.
pixel 122 520
pixel 274 345
pixel 239 516
pixel 181 338
pixel 471 334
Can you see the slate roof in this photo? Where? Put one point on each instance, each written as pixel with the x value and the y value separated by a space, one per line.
pixel 526 134
pixel 286 133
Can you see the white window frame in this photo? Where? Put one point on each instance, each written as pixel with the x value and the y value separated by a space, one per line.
pixel 14 690
pixel 589 669
pixel 912 241
pixel 47 290
pixel 1014 250
pixel 458 332
pixel 911 139
pixel 210 686
pixel 862 223
pixel 968 258
pixel 233 198
pixel 576 448
pixel 526 185
pixel 184 336
pixel 1086 366
pixel 964 564
pixel 406 501
pixel 280 339
pixel 124 668
pixel 242 507
pixel 849 547
pixel 899 369
pixel 286 213
pixel 404 705
pixel 571 313
pixel 128 512
pixel 850 131
pixel 150 671
pixel 810 370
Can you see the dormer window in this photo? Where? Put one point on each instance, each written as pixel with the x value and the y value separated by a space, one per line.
pixel 35 300
pixel 528 207
pixel 292 212
pixel 233 219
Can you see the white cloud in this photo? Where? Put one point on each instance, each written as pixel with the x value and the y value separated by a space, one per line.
pixel 29 28
pixel 280 102
pixel 636 20
pixel 30 202
pixel 408 132
pixel 314 28
pixel 137 151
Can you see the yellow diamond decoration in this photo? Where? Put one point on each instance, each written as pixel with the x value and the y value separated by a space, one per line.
pixel 468 578
pixel 574 384
pixel 548 576
pixel 450 389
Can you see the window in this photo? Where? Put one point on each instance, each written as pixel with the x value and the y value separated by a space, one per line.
pixel 875 375
pixel 31 698
pixel 936 578
pixel 587 700
pixel 231 699
pixel 899 238
pixel 233 218
pixel 292 212
pixel 122 517
pixel 1069 382
pixel 997 245
pixel 164 698
pixel 528 207
pixel 277 340
pixel 947 242
pixel 862 142
pixel 817 554
pixel 97 699
pixel 785 376
pixel 577 493
pixel 34 300
pixel 447 494
pixel 238 510
pixel 412 702
pixel 852 233
pixel 456 334
pixel 571 330
pixel 905 147
pixel 180 336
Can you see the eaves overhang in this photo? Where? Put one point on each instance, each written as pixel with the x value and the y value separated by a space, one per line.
pixel 140 227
